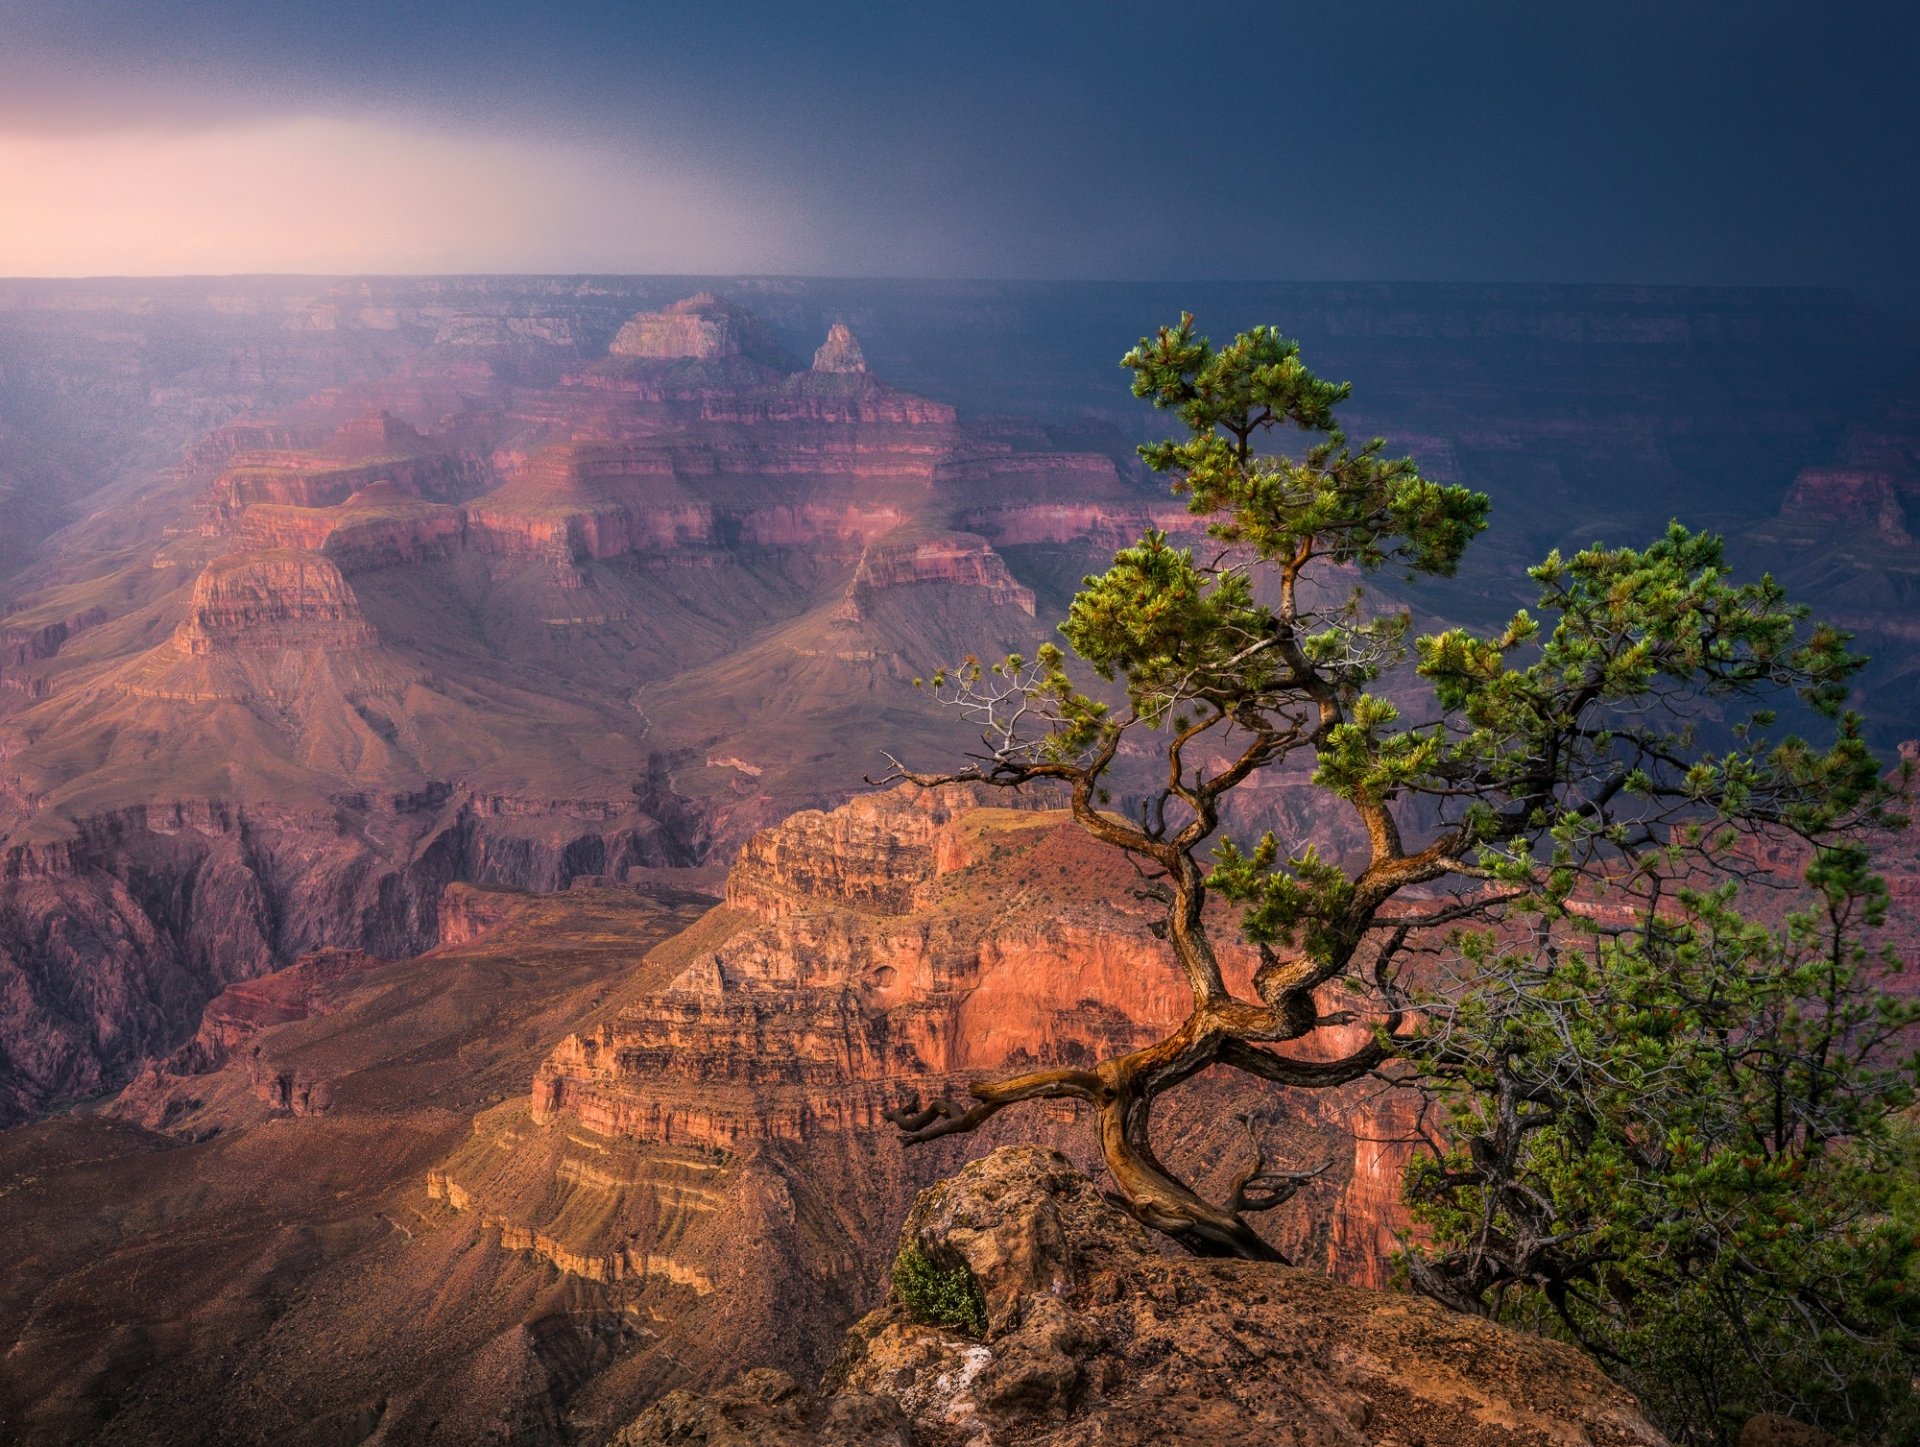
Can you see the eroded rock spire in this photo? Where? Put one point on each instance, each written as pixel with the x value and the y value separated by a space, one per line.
pixel 840 352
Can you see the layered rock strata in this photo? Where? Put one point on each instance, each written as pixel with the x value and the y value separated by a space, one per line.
pixel 145 915
pixel 367 451
pixel 381 525
pixel 864 958
pixel 714 1143
pixel 700 328
pixel 278 598
pixel 1861 501
pixel 961 559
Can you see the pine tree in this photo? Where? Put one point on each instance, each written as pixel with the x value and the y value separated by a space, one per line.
pixel 1554 755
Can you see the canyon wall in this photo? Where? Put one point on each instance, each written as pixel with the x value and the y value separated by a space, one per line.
pixel 718 1133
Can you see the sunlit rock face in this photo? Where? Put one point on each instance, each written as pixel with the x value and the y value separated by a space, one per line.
pixel 874 960
pixel 840 352
pixel 713 1143
pixel 959 559
pixel 700 328
pixel 274 599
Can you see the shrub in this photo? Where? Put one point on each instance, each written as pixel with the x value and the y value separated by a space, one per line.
pixel 937 1295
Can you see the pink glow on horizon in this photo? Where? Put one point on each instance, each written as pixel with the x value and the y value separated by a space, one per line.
pixel 332 196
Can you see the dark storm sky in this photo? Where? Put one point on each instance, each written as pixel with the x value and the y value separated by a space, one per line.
pixel 1748 142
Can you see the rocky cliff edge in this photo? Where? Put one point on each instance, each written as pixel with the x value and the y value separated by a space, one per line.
pixel 1093 1336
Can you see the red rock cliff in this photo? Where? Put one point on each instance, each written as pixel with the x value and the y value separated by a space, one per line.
pixel 959 558
pixel 911 942
pixel 273 599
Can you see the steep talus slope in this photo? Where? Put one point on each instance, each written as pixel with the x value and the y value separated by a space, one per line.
pixel 1093 1336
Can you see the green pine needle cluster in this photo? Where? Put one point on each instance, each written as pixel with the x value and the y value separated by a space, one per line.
pixel 1704 1137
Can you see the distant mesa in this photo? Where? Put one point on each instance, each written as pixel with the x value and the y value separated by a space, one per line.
pixel 1864 501
pixel 377 433
pixel 346 306
pixel 840 352
pixel 700 328
pixel 376 447
pixel 958 559
pixel 469 330
pixel 277 598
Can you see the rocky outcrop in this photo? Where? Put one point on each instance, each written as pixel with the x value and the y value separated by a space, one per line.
pixel 892 946
pixel 277 598
pixel 719 1123
pixel 20 646
pixel 469 911
pixel 1092 1335
pixel 880 854
pixel 370 450
pixel 314 985
pixel 1860 502
pixel 593 501
pixel 840 352
pixel 699 328
pixel 379 526
pixel 956 558
pixel 908 943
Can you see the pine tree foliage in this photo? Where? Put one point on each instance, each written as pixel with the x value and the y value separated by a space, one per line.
pixel 1688 1144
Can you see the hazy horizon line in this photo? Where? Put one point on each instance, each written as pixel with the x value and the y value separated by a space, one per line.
pixel 929 278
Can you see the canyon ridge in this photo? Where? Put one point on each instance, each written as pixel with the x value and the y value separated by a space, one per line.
pixel 452 968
